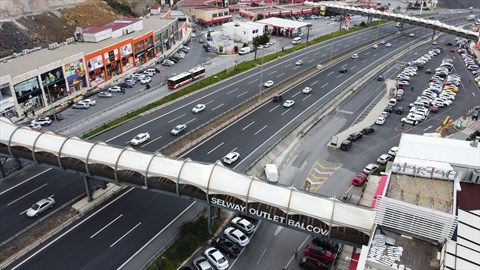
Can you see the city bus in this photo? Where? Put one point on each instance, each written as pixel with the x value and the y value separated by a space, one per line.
pixel 186 77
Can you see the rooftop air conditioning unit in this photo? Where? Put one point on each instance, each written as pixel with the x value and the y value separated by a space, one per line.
pixel 15 55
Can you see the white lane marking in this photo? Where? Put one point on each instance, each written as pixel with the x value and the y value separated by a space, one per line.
pixel 208 153
pixel 375 54
pixel 69 230
pixel 295 94
pixel 125 234
pixel 260 130
pixel 233 150
pixel 174 119
pixel 324 85
pixel 311 60
pixel 104 227
pixel 316 53
pixel 253 81
pixel 242 94
pixel 149 241
pixel 278 230
pixel 353 67
pixel 25 195
pixel 364 61
pixel 145 144
pixel 331 72
pixel 274 108
pixel 347 112
pixel 335 50
pixel 229 92
pixel 323 55
pixel 306 97
pixel 214 99
pixel 341 74
pixel 261 256
pixel 281 75
pixel 429 127
pixel 345 46
pixel 367 53
pixel 296 67
pixel 214 108
pixel 315 82
pixel 189 121
pixel 286 111
pixel 273 71
pixel 248 125
pixel 38 174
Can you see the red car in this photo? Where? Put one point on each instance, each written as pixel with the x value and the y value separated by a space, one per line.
pixel 434 109
pixel 318 253
pixel 359 179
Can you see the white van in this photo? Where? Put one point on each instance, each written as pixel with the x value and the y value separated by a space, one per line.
pixel 244 50
pixel 150 72
pixel 296 40
pixel 272 173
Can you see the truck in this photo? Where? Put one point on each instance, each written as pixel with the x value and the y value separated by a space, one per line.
pixel 470 17
pixel 272 173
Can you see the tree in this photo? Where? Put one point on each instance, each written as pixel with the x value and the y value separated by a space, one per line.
pixel 259 16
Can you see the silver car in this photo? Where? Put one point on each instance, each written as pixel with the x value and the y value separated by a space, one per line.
pixel 178 129
pixel 40 207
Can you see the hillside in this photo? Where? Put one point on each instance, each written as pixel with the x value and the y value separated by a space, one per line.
pixel 29 25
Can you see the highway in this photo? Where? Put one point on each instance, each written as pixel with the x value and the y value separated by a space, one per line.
pixel 239 136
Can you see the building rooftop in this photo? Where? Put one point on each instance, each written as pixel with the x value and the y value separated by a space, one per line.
pixel 395 250
pixel 37 59
pixel 433 194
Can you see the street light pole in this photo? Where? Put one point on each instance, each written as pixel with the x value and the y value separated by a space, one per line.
pixel 51 106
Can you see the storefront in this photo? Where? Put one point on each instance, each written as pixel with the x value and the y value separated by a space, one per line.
pixel 54 85
pixel 29 95
pixel 158 43
pixel 75 73
pixel 7 103
pixel 150 52
pixel 126 53
pixel 96 70
pixel 139 48
pixel 112 63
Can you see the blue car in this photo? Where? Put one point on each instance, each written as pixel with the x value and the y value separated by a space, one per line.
pixel 380 78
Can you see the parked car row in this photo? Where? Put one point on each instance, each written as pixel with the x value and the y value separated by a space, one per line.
pixel 319 254
pixel 231 243
pixel 179 55
pixel 360 178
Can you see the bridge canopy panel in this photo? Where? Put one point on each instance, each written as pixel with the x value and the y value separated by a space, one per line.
pixel 353 215
pixel 302 202
pixel 104 154
pixel 24 136
pixel 49 142
pixel 230 182
pixel 262 191
pixel 164 167
pixel 197 174
pixel 77 148
pixel 134 160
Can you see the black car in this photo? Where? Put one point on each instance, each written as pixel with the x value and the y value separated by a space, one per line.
pixel 389 109
pixel 55 116
pixel 125 85
pixel 355 136
pixel 449 44
pixel 174 59
pixel 367 130
pixel 343 70
pixel 226 246
pixel 326 244
pixel 205 45
pixel 310 263
pixel 399 110
pixel 277 98
pixel 156 70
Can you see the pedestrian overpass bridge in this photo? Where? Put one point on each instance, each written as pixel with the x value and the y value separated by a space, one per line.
pixel 412 20
pixel 213 183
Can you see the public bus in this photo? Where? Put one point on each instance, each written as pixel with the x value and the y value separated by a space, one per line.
pixel 186 77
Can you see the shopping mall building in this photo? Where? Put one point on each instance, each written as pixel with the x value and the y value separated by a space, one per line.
pixel 43 78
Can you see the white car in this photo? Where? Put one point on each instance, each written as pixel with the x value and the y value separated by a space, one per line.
pixel 268 83
pixel 415 117
pixel 231 157
pixel 202 264
pixel 375 46
pixel 354 56
pixel 140 138
pixel 178 129
pixel 385 114
pixel 40 207
pixel 384 158
pixel 237 236
pixel 198 108
pixel 393 151
pixel 380 120
pixel 115 89
pixel 90 101
pixel 193 35
pixel 139 76
pixel 409 121
pixel 382 42
pixel 307 90
pixel 43 121
pixel 243 224
pixel 146 80
pixel 412 34
pixel 370 168
pixel 299 63
pixel 288 103
pixel 388 45
pixel 216 258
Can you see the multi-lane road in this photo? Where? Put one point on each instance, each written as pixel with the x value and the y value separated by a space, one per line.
pixel 260 127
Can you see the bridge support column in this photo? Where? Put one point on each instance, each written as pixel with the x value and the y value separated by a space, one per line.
pixel 89 190
pixel 433 35
pixel 18 164
pixel 2 170
pixel 209 218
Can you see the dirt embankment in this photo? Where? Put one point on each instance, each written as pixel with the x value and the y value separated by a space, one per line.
pixel 28 25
